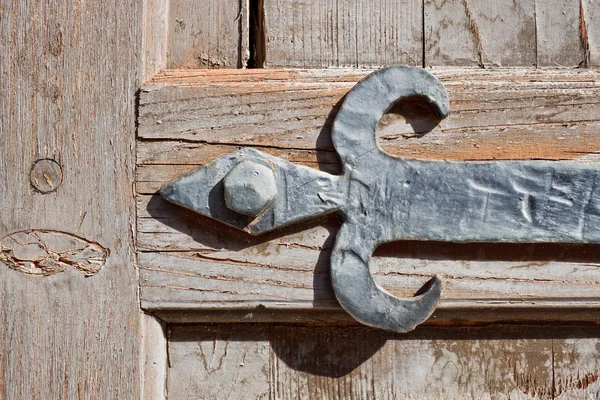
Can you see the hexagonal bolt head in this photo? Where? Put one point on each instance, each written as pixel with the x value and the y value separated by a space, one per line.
pixel 250 188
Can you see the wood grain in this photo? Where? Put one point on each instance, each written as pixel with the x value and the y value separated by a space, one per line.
pixel 296 362
pixel 153 358
pixel 480 33
pixel 589 13
pixel 493 113
pixel 154 37
pixel 191 263
pixel 519 33
pixel 207 34
pixel 559 34
pixel 68 75
pixel 326 33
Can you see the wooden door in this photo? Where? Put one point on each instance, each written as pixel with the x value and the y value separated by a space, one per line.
pixel 108 292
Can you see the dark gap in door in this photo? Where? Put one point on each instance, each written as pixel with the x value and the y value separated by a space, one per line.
pixel 256 35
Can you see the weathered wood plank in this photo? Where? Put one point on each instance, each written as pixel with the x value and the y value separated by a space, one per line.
pixel 325 33
pixel 69 71
pixel 293 110
pixel 161 161
pixel 495 115
pixel 153 349
pixel 208 34
pixel 476 33
pixel 154 37
pixel 559 38
pixel 187 119
pixel 192 263
pixel 295 362
pixel 590 30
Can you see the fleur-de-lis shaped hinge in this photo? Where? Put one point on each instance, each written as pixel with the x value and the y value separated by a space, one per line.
pixel 383 198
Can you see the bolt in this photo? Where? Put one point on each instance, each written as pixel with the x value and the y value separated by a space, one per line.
pixel 46 175
pixel 250 188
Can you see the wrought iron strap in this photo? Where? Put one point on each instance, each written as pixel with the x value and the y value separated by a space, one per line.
pixel 383 198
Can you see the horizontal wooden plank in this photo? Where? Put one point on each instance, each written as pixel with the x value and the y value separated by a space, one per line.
pixel 294 109
pixel 505 114
pixel 297 362
pixel 191 266
pixel 188 262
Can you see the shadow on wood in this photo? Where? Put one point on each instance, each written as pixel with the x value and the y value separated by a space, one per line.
pixel 340 351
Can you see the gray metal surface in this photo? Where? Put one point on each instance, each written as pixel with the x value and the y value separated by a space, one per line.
pixel 250 188
pixel 384 198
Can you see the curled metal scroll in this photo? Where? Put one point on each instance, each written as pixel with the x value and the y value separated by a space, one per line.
pixel 384 198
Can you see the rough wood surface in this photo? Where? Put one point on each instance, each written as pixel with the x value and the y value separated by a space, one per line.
pixel 324 33
pixel 187 119
pixel 154 37
pixel 590 30
pixel 190 118
pixel 295 362
pixel 153 358
pixel 41 252
pixel 480 33
pixel 68 77
pixel 518 33
pixel 194 264
pixel 207 34
pixel 560 41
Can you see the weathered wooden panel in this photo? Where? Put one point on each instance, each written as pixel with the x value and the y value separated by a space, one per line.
pixel 519 33
pixel 493 112
pixel 153 354
pixel 480 33
pixel 324 33
pixel 189 262
pixel 560 41
pixel 590 30
pixel 295 362
pixel 495 115
pixel 69 71
pixel 207 34
pixel 154 37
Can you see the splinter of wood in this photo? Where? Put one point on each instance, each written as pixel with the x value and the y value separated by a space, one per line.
pixel 383 198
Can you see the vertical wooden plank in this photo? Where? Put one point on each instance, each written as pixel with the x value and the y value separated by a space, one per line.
pixel 576 368
pixel 559 39
pixel 221 362
pixel 208 34
pixel 590 30
pixel 153 362
pixel 350 362
pixel 480 33
pixel 358 363
pixel 325 33
pixel 154 37
pixel 69 71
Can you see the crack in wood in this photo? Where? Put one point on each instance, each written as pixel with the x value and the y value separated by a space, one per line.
pixel 584 36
